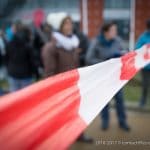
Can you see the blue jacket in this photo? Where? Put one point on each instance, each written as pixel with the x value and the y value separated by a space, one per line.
pixel 144 39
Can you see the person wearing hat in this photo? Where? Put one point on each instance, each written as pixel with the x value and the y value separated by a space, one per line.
pixel 61 54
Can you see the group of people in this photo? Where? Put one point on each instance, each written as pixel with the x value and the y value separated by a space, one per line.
pixel 34 53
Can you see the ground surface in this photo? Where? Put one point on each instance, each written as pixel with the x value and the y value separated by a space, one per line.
pixel 140 131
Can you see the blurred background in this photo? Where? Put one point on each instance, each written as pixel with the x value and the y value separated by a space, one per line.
pixel 129 14
pixel 42 18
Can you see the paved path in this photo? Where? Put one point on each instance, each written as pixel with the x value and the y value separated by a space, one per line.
pixel 140 132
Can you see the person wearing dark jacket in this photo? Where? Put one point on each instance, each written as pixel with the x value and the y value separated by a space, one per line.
pixel 144 39
pixel 106 46
pixel 2 55
pixel 83 44
pixel 21 61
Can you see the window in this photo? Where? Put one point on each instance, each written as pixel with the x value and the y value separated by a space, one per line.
pixel 117 4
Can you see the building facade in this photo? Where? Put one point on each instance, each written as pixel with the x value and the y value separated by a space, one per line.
pixel 130 15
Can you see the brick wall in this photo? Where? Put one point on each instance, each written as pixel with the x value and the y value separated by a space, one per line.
pixel 95 16
pixel 142 13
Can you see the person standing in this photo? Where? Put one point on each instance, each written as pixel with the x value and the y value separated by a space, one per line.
pixel 144 39
pixel 20 60
pixel 83 44
pixel 105 46
pixel 62 49
pixel 2 55
pixel 61 54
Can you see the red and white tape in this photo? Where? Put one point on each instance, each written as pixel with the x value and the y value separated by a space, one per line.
pixel 50 114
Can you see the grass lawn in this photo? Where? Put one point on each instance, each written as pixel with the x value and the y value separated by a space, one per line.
pixel 132 93
pixel 132 90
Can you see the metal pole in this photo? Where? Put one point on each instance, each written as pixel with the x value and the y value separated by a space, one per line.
pixel 132 25
pixel 85 16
